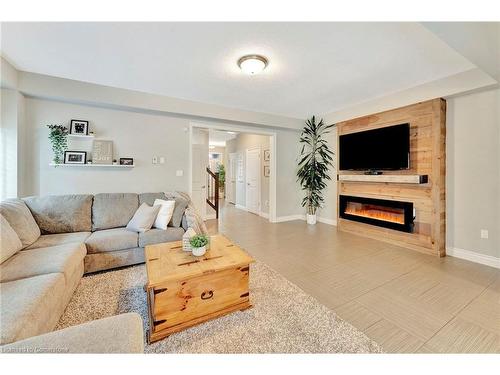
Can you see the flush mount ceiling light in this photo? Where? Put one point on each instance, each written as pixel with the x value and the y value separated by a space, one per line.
pixel 252 64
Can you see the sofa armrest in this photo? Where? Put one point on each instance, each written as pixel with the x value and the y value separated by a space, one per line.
pixel 116 334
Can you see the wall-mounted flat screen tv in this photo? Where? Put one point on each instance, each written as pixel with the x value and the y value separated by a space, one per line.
pixel 379 149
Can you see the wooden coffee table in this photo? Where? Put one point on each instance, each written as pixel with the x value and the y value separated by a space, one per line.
pixel 184 290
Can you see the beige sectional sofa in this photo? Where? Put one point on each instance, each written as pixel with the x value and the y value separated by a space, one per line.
pixel 54 240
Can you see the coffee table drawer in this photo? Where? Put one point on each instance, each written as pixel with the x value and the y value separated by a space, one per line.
pixel 178 301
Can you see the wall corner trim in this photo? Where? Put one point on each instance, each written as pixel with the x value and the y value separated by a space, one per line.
pixel 472 256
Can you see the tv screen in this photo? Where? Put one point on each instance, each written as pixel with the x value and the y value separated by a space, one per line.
pixel 385 148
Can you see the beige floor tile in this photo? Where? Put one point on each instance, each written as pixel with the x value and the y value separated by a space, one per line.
pixel 392 338
pixel 461 336
pixel 358 315
pixel 405 312
pixel 484 311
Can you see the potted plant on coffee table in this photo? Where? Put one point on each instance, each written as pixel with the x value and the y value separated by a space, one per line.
pixel 315 161
pixel 198 245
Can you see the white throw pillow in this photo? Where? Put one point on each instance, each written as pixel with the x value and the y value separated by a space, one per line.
pixel 9 240
pixel 143 219
pixel 165 214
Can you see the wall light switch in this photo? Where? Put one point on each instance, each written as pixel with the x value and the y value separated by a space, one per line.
pixel 179 173
pixel 155 160
pixel 162 160
pixel 484 233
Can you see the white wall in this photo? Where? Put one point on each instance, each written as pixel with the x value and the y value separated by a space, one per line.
pixel 473 172
pixel 137 135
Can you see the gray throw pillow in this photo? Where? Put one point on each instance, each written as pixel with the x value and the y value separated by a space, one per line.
pixel 9 240
pixel 143 218
pixel 180 206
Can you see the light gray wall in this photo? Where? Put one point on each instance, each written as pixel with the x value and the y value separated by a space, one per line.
pixel 137 135
pixel 473 172
pixel 239 145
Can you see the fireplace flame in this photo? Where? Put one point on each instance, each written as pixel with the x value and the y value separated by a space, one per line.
pixel 378 214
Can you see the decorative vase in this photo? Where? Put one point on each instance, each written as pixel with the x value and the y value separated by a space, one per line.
pixel 311 219
pixel 199 251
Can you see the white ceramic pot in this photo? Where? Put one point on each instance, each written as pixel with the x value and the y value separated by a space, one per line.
pixel 199 251
pixel 311 219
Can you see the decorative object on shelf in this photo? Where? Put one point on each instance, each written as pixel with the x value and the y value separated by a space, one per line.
pixel 91 133
pixel 126 161
pixel 267 171
pixel 115 162
pixel 58 137
pixel 267 155
pixel 102 152
pixel 89 161
pixel 186 237
pixel 315 160
pixel 198 245
pixel 75 157
pixel 79 127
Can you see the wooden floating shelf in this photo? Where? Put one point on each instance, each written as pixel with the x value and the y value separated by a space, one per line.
pixel 398 179
pixel 92 165
pixel 90 136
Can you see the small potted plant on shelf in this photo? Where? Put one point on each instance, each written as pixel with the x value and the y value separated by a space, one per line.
pixel 198 245
pixel 58 137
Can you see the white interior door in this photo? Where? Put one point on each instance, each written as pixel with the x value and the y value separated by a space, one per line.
pixel 231 180
pixel 253 180
pixel 199 178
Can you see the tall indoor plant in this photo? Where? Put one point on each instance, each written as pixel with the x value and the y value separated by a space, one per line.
pixel 315 161
pixel 58 137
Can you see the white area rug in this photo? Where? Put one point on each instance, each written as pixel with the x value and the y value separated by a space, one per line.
pixel 284 318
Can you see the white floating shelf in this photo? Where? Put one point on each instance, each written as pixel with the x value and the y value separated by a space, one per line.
pixel 90 136
pixel 92 165
pixel 394 178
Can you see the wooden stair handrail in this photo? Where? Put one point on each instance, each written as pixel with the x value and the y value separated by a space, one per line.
pixel 213 183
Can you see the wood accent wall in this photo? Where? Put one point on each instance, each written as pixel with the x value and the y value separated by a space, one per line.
pixel 427 157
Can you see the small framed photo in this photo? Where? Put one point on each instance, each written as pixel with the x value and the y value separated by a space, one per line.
pixel 79 127
pixel 126 161
pixel 75 157
pixel 267 171
pixel 267 155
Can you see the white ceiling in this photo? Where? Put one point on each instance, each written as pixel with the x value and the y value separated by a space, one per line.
pixel 314 68
pixel 219 138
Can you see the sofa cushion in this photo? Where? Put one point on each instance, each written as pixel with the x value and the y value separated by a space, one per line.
pixel 181 204
pixel 21 220
pixel 111 240
pixel 62 213
pixel 9 240
pixel 159 235
pixel 115 334
pixel 150 198
pixel 30 306
pixel 45 260
pixel 47 240
pixel 143 219
pixel 113 210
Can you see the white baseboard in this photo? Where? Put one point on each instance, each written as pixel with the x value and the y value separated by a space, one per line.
pixel 327 221
pixel 239 206
pixel 265 215
pixel 281 219
pixel 472 256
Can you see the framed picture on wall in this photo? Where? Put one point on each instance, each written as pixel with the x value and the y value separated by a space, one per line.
pixel 267 155
pixel 75 157
pixel 102 152
pixel 267 171
pixel 126 161
pixel 79 127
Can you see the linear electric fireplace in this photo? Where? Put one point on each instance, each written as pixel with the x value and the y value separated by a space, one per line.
pixel 384 213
